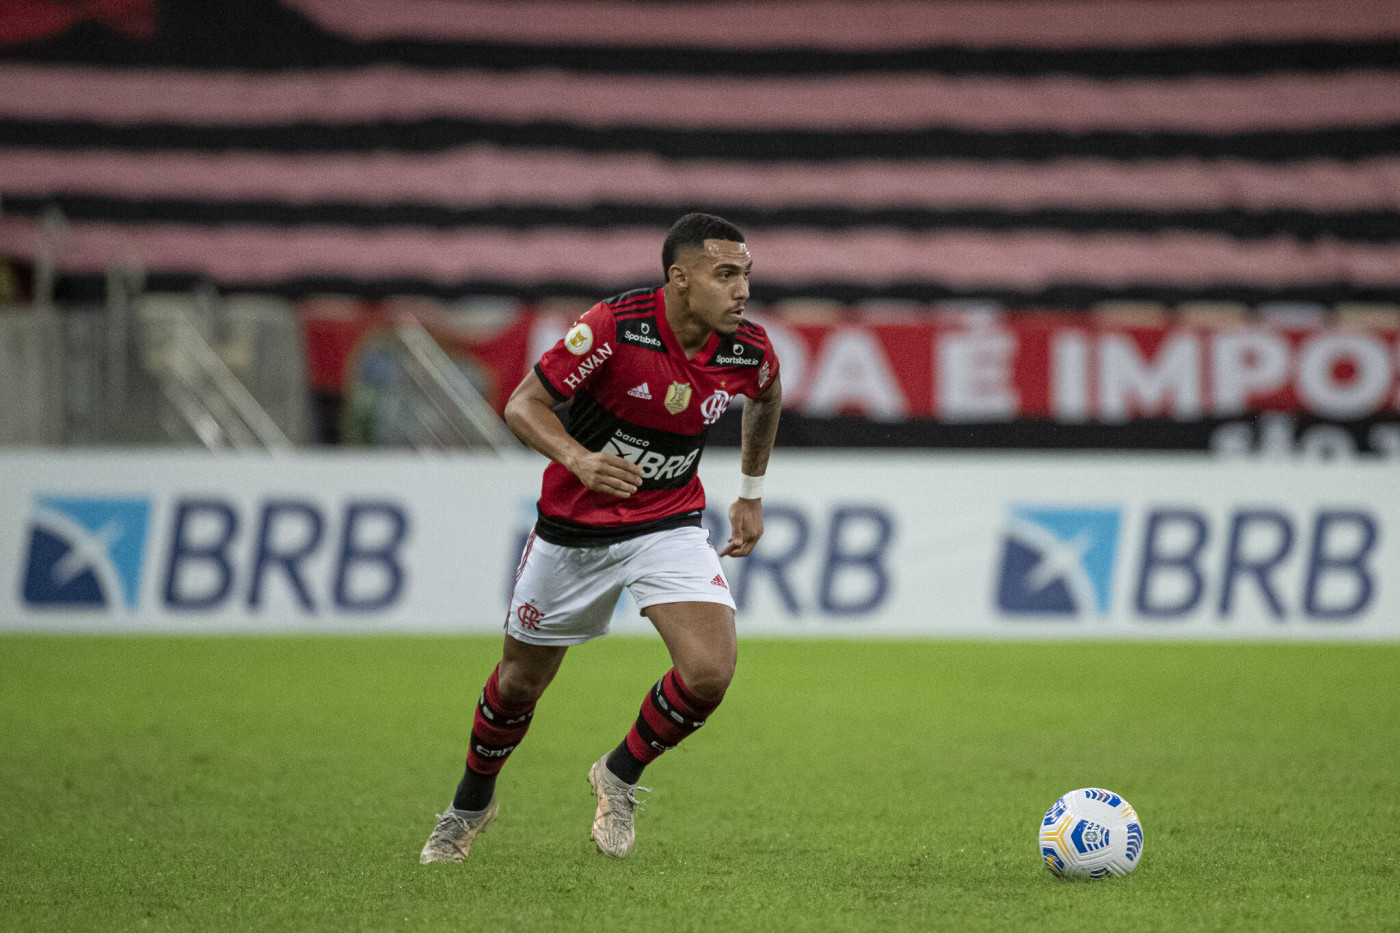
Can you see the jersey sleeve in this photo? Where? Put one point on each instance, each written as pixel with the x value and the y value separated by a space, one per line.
pixel 765 373
pixel 579 356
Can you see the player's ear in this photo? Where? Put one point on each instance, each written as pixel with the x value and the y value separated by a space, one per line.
pixel 677 275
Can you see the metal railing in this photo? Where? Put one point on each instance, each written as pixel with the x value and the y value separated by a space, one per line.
pixel 406 391
pixel 221 372
pixel 459 407
pixel 201 390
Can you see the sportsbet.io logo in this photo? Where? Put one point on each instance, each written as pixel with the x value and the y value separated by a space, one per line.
pixel 85 553
pixel 1058 561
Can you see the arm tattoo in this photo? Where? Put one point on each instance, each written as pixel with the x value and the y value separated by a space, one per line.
pixel 758 429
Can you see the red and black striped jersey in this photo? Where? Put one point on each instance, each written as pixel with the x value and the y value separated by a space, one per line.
pixel 634 393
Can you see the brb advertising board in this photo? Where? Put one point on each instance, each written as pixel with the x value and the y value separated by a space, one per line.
pixel 856 544
pixel 197 542
pixel 1080 546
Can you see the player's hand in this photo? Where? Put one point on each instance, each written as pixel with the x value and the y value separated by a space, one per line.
pixel 608 473
pixel 746 520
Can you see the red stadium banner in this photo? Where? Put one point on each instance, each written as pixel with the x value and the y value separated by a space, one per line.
pixel 28 20
pixel 897 368
pixel 1074 369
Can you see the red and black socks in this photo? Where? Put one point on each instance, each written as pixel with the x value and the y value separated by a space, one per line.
pixel 497 729
pixel 669 713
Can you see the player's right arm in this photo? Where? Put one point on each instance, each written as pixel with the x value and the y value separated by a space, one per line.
pixel 530 417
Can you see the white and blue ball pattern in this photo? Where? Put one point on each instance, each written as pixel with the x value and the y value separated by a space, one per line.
pixel 1090 833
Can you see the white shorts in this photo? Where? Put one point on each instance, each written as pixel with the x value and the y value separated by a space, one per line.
pixel 566 595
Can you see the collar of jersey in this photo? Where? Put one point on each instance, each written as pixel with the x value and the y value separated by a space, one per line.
pixel 663 324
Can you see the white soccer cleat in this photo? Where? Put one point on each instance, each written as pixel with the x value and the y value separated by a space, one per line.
pixel 452 837
pixel 613 824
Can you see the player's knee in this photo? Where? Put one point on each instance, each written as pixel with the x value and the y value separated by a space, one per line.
pixel 708 680
pixel 518 685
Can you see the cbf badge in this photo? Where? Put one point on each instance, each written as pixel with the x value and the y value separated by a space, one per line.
pixel 677 397
pixel 579 339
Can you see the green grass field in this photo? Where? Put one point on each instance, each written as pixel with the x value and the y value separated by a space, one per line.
pixel 288 783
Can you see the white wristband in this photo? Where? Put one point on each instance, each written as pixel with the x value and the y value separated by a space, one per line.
pixel 750 487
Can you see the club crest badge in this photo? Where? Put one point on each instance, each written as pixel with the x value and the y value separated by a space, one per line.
pixel 677 397
pixel 715 405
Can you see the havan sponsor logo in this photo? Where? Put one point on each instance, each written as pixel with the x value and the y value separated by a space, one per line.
pixel 590 363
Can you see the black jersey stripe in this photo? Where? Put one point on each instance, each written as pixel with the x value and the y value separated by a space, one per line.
pixel 558 396
pixel 628 297
pixel 633 307
pixel 676 456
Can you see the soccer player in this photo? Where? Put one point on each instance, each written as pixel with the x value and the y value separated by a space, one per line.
pixel 645 374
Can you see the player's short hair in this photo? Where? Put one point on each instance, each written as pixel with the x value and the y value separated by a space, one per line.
pixel 691 231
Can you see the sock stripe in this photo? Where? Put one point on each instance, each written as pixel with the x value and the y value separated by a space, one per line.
pixel 496 729
pixel 669 713
pixel 652 738
pixel 675 690
pixel 672 710
pixel 662 724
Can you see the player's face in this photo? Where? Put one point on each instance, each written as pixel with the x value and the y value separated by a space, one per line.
pixel 718 284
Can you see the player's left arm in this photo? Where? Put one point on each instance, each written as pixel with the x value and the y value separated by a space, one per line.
pixel 758 430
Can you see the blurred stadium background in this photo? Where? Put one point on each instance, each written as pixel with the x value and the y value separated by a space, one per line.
pixel 1089 318
pixel 1084 225
pixel 1152 230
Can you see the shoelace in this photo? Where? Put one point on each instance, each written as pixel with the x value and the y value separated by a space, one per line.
pixel 626 794
pixel 450 817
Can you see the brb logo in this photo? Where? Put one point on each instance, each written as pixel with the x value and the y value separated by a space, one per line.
pixel 1058 561
pixel 1064 562
pixel 92 553
pixel 86 553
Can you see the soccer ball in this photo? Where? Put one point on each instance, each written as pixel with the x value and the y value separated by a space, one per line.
pixel 1090 833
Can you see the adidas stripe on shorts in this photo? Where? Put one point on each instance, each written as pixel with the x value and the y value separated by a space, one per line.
pixel 566 595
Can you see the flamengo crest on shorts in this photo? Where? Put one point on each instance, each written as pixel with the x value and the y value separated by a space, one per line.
pixel 611 367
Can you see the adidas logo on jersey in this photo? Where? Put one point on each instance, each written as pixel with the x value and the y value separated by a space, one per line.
pixel 719 581
pixel 641 391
